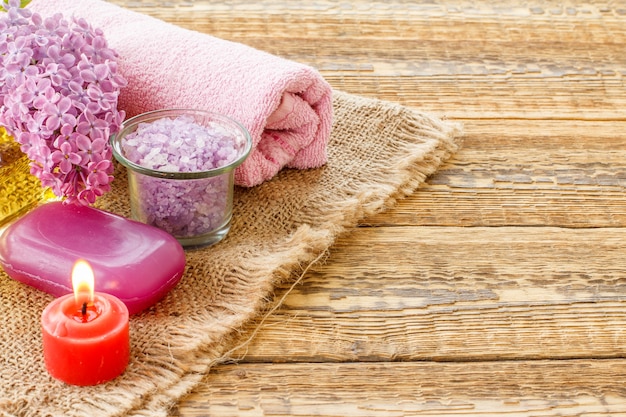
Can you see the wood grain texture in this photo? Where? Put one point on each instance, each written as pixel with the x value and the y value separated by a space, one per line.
pixel 499 287
pixel 525 173
pixel 464 59
pixel 458 294
pixel 525 388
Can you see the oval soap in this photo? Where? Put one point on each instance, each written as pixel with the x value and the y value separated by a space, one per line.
pixel 133 261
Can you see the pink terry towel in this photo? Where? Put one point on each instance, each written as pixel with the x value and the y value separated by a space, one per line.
pixel 286 106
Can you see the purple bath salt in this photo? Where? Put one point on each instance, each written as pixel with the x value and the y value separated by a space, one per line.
pixel 180 145
pixel 182 207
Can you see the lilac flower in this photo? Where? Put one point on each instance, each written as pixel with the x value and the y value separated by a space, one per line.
pixel 98 173
pixel 90 151
pixel 65 157
pixel 103 99
pixel 66 134
pixel 57 73
pixel 90 125
pixel 32 88
pixel 59 88
pixel 59 113
pixel 78 94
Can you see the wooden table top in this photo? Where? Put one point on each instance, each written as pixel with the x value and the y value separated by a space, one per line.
pixel 499 287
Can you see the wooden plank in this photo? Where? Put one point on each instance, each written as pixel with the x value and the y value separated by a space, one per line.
pixel 505 10
pixel 525 388
pixel 548 64
pixel 516 173
pixel 506 205
pixel 445 293
pixel 508 97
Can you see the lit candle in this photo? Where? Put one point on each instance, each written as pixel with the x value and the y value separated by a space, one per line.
pixel 85 334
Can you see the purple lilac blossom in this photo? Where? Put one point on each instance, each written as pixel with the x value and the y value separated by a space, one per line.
pixel 182 207
pixel 59 88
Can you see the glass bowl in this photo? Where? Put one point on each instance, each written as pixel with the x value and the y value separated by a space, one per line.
pixel 181 165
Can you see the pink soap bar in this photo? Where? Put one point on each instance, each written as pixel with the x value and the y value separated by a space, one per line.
pixel 135 262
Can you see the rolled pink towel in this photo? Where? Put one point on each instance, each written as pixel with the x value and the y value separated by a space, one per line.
pixel 286 106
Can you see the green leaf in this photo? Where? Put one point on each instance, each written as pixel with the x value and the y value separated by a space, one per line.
pixel 23 3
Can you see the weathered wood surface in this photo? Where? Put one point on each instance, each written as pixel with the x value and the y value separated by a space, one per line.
pixel 499 288
pixel 534 388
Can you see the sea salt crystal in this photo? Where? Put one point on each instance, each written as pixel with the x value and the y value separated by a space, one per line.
pixel 189 207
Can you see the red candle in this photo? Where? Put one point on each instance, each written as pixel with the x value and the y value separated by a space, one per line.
pixel 85 334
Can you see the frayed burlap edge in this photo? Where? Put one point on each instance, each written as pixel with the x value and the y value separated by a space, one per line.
pixel 164 370
pixel 405 175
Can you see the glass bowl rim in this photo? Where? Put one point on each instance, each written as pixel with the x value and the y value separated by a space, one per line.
pixel 153 115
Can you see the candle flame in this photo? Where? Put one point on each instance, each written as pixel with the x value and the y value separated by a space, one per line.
pixel 83 282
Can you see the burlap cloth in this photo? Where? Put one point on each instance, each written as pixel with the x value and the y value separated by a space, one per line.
pixel 379 152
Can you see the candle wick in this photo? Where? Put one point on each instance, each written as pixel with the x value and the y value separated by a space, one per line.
pixel 83 310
